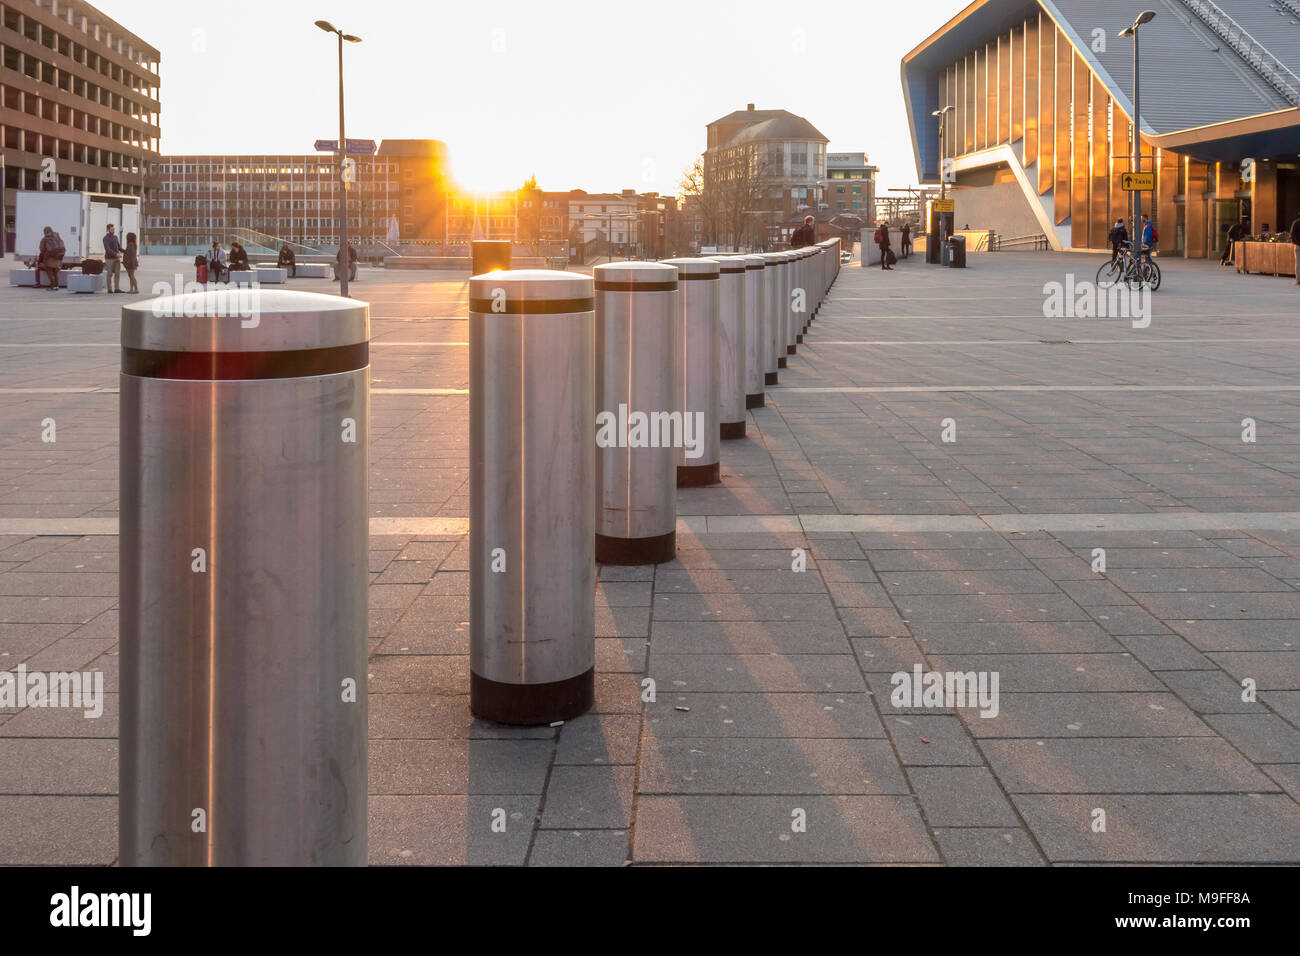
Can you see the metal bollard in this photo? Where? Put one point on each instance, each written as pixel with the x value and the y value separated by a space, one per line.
pixel 788 284
pixel 243 553
pixel 755 306
pixel 779 263
pixel 771 323
pixel 802 283
pixel 489 255
pixel 637 393
pixel 731 347
pixel 697 346
pixel 532 511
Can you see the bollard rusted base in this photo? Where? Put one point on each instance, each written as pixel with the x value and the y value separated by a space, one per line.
pixel 731 430
pixel 532 704
pixel 769 378
pixel 790 350
pixel 756 401
pixel 780 362
pixel 697 476
pixel 633 551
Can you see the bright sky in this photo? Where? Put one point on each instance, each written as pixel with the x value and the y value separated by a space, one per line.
pixel 585 94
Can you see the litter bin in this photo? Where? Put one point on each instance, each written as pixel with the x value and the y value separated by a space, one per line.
pixel 489 255
pixel 243 552
pixel 957 252
pixel 931 249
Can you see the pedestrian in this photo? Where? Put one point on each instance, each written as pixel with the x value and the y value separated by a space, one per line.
pixel 1149 235
pixel 1295 243
pixel 216 261
pixel 113 259
pixel 906 243
pixel 131 260
pixel 352 263
pixel 882 240
pixel 49 258
pixel 1117 236
pixel 805 235
pixel 1237 233
pixel 287 260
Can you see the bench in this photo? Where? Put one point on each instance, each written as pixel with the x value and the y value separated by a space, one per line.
pixel 80 282
pixel 313 270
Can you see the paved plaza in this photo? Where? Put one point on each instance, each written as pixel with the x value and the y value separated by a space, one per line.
pixel 948 468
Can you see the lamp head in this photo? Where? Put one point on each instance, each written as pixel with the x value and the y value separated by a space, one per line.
pixel 326 26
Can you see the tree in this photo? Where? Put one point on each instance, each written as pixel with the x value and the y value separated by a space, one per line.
pixel 704 202
pixel 529 204
pixel 727 188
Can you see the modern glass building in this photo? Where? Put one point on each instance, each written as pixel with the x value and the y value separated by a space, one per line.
pixel 1042 95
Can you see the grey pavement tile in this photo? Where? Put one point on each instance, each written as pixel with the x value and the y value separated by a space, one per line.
pixel 984 608
pixel 418 674
pixel 733 607
pixel 961 797
pixel 747 637
pixel 1165 652
pixel 1239 635
pixel 1209 692
pixel 1094 714
pixel 981 846
pixel 1270 670
pixel 700 581
pixel 580 848
pixel 1168 828
pixel 1020 637
pixel 599 739
pixel 623 593
pixel 955 559
pixel 1120 619
pixel 1285 702
pixel 905 585
pixel 423 716
pixel 413 637
pixel 1053 672
pixel 887 654
pixel 32 766
pixel 58 830
pixel 721 673
pixel 768 765
pixel 840 716
pixel 873 622
pixel 1263 738
pixel 930 740
pixel 450 830
pixel 622 621
pixel 1286 775
pixel 410 767
pixel 1123 765
pixel 753 829
pixel 582 797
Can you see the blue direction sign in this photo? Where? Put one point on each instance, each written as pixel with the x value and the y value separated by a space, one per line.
pixel 356 147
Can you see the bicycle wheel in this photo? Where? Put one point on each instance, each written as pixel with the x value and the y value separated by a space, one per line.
pixel 1155 275
pixel 1109 274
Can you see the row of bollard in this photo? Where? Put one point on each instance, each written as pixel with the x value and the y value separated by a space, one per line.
pixel 664 358
pixel 243 541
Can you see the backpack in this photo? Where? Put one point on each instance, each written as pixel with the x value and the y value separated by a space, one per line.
pixel 877 238
pixel 890 258
pixel 55 246
pixel 1155 234
pixel 200 260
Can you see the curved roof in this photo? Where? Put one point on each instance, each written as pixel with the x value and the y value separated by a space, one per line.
pixel 769 125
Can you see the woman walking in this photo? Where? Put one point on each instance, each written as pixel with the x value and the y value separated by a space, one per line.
pixel 131 260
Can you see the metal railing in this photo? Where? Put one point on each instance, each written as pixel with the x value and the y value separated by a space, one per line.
pixel 1270 68
pixel 1001 243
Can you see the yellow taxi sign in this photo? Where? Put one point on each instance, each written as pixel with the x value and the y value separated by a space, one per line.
pixel 1137 182
pixel 945 205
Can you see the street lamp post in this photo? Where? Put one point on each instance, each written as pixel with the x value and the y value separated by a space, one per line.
pixel 1146 16
pixel 344 264
pixel 936 233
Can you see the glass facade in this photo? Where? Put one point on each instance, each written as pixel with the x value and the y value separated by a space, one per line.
pixel 1029 86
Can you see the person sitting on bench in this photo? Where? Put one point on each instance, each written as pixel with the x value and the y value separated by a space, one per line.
pixel 239 258
pixel 287 260
pixel 216 262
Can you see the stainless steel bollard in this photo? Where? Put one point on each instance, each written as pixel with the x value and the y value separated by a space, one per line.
pixel 243 552
pixel 532 504
pixel 755 306
pixel 637 393
pixel 697 333
pixel 771 316
pixel 786 345
pixel 731 347
pixel 804 300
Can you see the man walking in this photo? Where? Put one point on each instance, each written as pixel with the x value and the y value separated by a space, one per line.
pixel 49 258
pixel 804 235
pixel 1237 233
pixel 113 259
pixel 882 240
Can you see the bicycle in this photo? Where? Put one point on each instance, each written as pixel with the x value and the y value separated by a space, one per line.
pixel 1133 269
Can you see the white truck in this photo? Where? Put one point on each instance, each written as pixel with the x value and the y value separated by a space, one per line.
pixel 80 218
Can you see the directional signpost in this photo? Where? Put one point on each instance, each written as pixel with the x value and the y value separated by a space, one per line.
pixel 1137 182
pixel 356 147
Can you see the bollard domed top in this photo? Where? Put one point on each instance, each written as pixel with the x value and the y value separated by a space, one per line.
pixel 755 262
pixel 244 319
pixel 701 268
pixel 631 276
pixel 524 291
pixel 729 265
